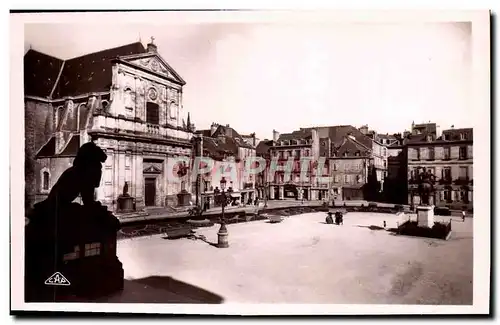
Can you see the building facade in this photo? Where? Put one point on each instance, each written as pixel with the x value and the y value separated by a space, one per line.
pixel 349 169
pixel 287 177
pixel 450 158
pixel 128 100
pixel 228 152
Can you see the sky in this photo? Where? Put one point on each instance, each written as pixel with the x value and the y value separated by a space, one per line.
pixel 258 77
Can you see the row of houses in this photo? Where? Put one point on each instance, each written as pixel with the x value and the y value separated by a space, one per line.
pixel 357 156
pixel 128 100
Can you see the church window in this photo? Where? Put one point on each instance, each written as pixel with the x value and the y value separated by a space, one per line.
pixel 45 181
pixel 152 113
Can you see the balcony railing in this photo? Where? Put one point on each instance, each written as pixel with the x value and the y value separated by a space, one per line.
pixel 462 181
pixel 445 181
pixel 153 128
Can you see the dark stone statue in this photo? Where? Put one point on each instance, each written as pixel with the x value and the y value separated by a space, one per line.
pixel 125 189
pixel 78 241
pixel 425 181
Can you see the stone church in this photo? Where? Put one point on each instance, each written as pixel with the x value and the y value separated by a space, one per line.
pixel 128 100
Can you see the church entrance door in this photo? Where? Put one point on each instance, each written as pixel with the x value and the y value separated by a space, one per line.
pixel 150 191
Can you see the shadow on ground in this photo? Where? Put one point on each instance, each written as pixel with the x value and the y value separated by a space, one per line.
pixel 164 289
pixel 372 227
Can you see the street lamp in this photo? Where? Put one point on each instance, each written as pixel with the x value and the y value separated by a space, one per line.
pixel 222 234
pixel 266 185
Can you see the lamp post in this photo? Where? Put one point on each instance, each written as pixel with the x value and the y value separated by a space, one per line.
pixel 266 185
pixel 222 235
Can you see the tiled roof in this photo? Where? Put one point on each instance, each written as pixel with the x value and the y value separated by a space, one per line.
pixel 40 73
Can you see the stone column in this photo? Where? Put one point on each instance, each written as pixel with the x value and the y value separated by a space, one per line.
pixel 139 181
pixel 299 192
pixel 281 192
pixel 309 193
pixel 271 192
pixel 470 196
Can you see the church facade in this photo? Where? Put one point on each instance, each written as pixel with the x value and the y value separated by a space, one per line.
pixel 128 100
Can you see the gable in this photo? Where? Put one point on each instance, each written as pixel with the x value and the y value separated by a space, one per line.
pixel 154 63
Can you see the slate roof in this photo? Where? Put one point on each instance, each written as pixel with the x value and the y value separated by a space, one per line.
pixel 335 133
pixel 451 135
pixel 263 147
pixel 92 72
pixel 454 134
pixel 72 147
pixel 350 147
pixel 302 134
pixel 231 133
pixel 48 149
pixel 80 75
pixel 218 147
pixel 40 73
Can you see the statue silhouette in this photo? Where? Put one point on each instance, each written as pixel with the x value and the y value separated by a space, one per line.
pixel 425 181
pixel 57 225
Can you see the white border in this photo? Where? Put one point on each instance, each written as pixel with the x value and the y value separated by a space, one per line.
pixel 479 120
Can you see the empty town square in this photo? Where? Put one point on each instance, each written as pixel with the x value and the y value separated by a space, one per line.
pixel 246 163
pixel 303 260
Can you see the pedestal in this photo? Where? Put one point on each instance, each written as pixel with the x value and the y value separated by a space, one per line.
pixel 78 246
pixel 425 216
pixel 125 203
pixel 183 198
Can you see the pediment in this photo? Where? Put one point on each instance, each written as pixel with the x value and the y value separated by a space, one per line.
pixel 154 63
pixel 152 169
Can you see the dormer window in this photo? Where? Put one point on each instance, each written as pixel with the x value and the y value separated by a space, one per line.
pixel 463 136
pixel 429 138
pixel 357 153
pixel 345 154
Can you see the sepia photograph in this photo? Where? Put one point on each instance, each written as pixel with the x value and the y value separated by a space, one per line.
pixel 251 162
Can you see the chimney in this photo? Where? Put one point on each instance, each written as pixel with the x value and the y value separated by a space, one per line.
pixel 276 135
pixel 151 47
pixel 213 128
pixel 315 143
pixel 364 129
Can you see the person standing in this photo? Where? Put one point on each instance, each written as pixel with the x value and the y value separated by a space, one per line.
pixel 463 215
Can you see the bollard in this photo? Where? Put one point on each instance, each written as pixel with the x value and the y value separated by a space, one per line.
pixel 222 235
